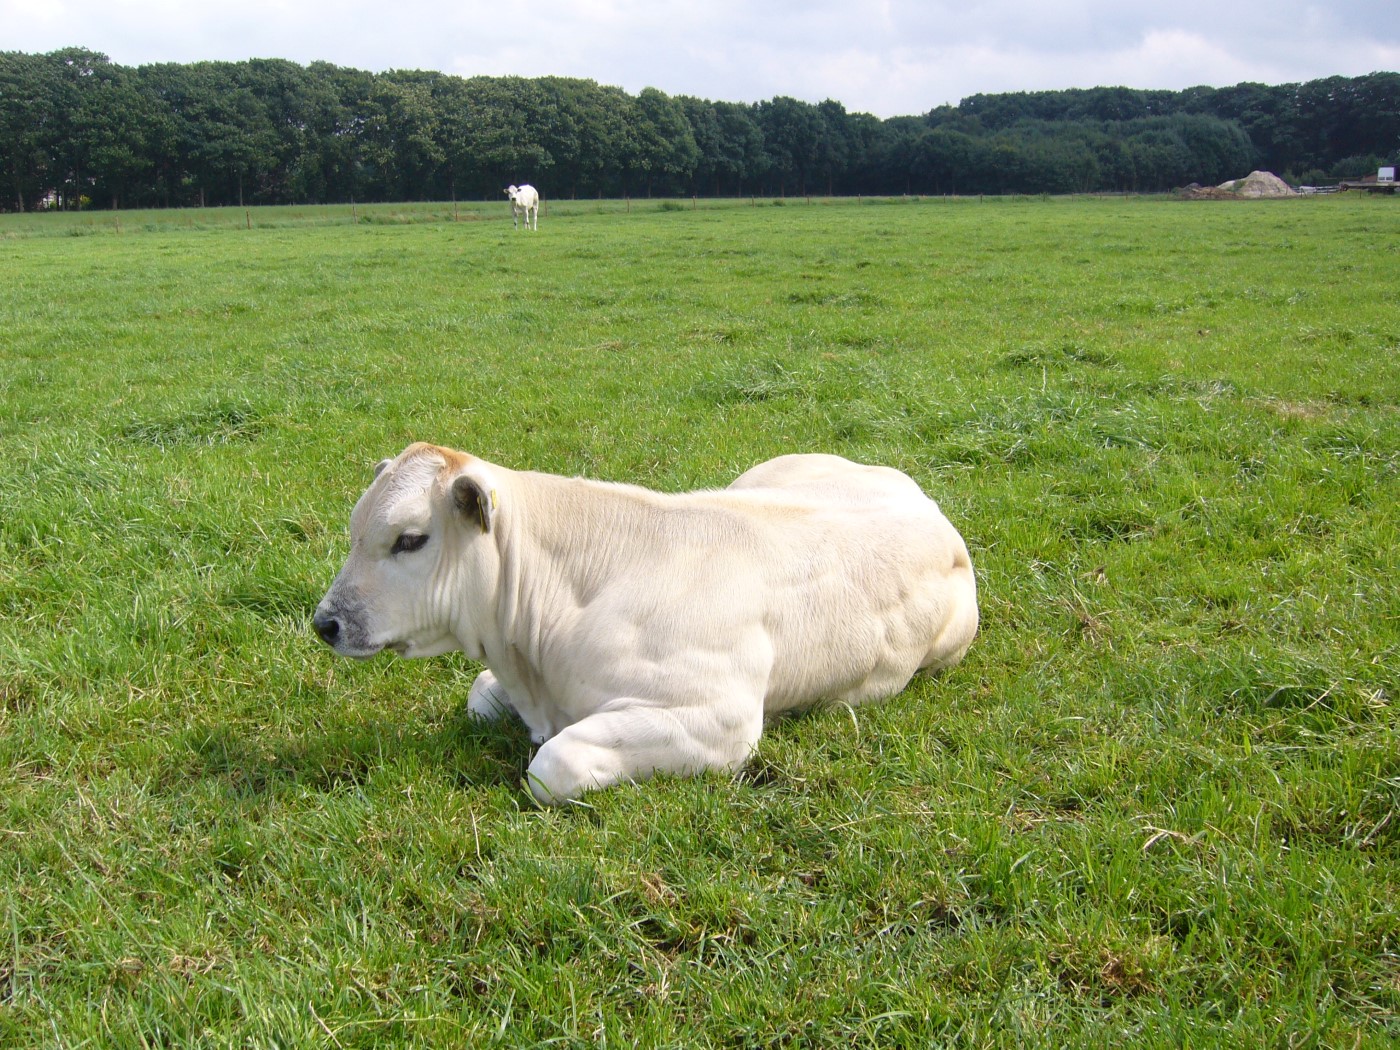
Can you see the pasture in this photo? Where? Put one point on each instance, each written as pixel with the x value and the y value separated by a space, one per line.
pixel 1156 805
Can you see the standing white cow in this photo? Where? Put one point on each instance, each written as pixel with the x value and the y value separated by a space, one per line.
pixel 524 200
pixel 637 632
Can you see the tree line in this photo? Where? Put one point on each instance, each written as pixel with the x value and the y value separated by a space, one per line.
pixel 78 130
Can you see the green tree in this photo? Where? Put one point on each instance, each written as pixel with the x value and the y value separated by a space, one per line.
pixel 226 134
pixel 943 161
pixel 330 165
pixel 400 132
pixel 27 123
pixel 729 143
pixel 450 97
pixel 1268 115
pixel 499 135
pixel 282 91
pixel 585 132
pixel 894 164
pixel 96 123
pixel 75 125
pixel 792 134
pixel 1219 149
pixel 119 125
pixel 865 140
pixel 834 145
pixel 1341 118
pixel 664 144
pixel 1161 159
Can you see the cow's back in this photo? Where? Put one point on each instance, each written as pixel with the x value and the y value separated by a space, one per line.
pixel 832 478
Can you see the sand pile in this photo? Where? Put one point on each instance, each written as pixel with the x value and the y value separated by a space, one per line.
pixel 1255 184
pixel 1258 184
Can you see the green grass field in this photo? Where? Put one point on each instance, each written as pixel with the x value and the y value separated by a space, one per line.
pixel 1155 806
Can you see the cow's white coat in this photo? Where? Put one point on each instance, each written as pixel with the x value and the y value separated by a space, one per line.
pixel 524 200
pixel 637 632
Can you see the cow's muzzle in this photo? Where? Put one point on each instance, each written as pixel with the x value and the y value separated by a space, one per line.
pixel 327 626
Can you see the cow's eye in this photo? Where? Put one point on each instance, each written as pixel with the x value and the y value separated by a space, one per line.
pixel 408 542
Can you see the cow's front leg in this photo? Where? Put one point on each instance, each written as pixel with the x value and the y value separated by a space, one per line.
pixel 488 698
pixel 634 739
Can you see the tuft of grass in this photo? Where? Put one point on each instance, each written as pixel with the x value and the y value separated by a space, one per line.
pixel 1156 804
pixel 216 422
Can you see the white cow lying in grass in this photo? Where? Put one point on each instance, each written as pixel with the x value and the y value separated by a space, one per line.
pixel 637 632
pixel 524 200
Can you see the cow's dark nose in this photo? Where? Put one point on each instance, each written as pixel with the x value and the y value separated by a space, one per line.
pixel 328 627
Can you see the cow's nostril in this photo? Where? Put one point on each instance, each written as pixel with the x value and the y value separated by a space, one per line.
pixel 328 627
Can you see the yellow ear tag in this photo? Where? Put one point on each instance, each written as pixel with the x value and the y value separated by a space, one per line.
pixel 493 499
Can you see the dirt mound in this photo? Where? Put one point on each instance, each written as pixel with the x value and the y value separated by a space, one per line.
pixel 1196 192
pixel 1258 184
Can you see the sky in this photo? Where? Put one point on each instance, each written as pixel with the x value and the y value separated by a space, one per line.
pixel 886 57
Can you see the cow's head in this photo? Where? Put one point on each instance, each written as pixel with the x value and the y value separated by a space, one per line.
pixel 416 529
pixel 512 191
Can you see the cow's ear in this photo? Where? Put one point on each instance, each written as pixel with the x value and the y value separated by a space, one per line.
pixel 473 502
pixel 379 467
